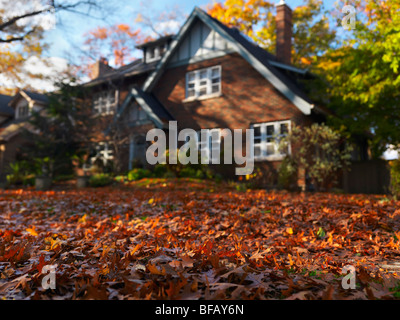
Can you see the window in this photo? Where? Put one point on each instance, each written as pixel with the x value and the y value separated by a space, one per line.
pixel 103 152
pixel 155 53
pixel 267 137
pixel 22 111
pixel 203 83
pixel 105 102
pixel 209 145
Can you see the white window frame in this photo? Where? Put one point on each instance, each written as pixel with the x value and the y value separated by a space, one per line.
pixel 103 152
pixel 105 102
pixel 211 148
pixel 27 111
pixel 200 84
pixel 158 52
pixel 268 141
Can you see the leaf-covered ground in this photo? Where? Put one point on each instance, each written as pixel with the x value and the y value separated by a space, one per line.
pixel 191 240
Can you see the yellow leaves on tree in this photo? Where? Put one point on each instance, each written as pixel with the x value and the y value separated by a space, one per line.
pixel 256 19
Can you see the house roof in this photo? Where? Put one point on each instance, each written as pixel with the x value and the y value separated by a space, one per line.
pixel 150 104
pixel 14 128
pixel 134 68
pixel 156 42
pixel 259 58
pixel 5 109
pixel 38 97
pixel 29 95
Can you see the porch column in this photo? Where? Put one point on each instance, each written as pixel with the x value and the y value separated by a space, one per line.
pixel 131 151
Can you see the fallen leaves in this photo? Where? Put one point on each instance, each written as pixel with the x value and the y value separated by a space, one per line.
pixel 185 242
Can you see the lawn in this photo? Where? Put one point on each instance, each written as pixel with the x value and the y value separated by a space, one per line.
pixel 188 239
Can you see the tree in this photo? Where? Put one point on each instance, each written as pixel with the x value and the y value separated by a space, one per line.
pixel 116 43
pixel 318 150
pixel 363 75
pixel 256 18
pixel 65 128
pixel 22 27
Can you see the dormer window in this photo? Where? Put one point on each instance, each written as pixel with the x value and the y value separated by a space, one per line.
pixel 22 111
pixel 154 50
pixel 155 53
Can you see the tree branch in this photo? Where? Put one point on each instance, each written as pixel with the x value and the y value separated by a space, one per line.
pixel 52 7
pixel 19 38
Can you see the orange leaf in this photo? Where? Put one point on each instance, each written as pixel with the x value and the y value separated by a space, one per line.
pixel 154 270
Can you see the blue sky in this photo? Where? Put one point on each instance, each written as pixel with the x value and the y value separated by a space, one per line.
pixel 63 40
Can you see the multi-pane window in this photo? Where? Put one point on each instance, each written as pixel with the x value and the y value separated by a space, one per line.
pixel 155 53
pixel 105 102
pixel 22 111
pixel 102 152
pixel 209 145
pixel 267 138
pixel 204 82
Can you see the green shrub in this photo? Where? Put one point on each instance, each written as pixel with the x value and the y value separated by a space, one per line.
pixel 395 178
pixel 321 151
pixel 139 174
pixel 160 171
pixel 100 180
pixel 287 174
pixel 188 172
pixel 19 174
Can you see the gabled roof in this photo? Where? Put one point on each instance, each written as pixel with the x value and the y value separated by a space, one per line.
pixel 29 96
pixel 14 128
pixel 5 109
pixel 156 42
pixel 256 56
pixel 150 104
pixel 37 97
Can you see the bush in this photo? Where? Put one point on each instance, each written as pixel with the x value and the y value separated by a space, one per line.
pixel 395 178
pixel 287 174
pixel 19 174
pixel 139 174
pixel 100 180
pixel 320 151
pixel 160 171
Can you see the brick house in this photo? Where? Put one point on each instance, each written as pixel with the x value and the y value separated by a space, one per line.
pixel 14 115
pixel 208 76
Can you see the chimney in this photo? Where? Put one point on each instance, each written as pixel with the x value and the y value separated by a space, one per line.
pixel 100 68
pixel 284 32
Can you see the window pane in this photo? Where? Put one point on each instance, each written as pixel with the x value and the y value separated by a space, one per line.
pixel 270 149
pixel 203 92
pixel 191 93
pixel 257 151
pixel 284 128
pixel 203 83
pixel 203 74
pixel 191 77
pixel 270 130
pixel 257 140
pixel 215 88
pixel 257 131
pixel 216 80
pixel 216 72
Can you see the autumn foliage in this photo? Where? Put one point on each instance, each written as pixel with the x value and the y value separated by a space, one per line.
pixel 180 239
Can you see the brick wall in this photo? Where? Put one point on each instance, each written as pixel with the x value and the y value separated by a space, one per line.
pixel 247 97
